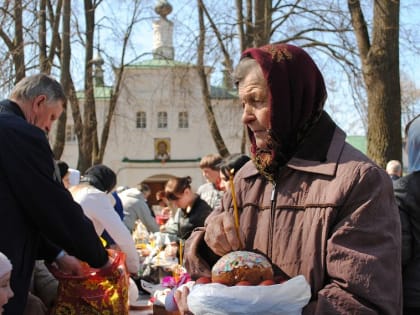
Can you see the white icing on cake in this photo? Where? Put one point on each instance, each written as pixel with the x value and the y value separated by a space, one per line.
pixel 238 259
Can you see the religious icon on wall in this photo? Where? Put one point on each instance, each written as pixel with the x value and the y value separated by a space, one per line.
pixel 162 149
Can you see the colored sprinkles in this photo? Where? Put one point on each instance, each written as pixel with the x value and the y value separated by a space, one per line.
pixel 240 259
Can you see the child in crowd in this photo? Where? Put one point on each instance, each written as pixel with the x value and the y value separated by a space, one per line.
pixel 6 292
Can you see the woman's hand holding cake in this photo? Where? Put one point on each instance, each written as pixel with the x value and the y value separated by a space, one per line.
pixel 221 236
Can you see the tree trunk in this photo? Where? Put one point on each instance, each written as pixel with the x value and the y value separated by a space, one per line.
pixel 65 56
pixel 241 24
pixel 55 37
pixel 262 28
pixel 380 65
pixel 253 32
pixel 42 35
pixel 249 25
pixel 214 129
pixel 18 52
pixel 89 139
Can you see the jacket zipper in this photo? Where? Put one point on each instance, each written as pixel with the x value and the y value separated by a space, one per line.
pixel 271 228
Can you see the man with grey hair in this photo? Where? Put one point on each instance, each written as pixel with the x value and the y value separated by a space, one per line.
pixel 40 220
pixel 394 169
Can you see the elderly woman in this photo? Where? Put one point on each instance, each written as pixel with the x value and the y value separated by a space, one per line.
pixel 313 204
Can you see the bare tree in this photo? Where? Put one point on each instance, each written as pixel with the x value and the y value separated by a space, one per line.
pixel 65 78
pixel 51 50
pixel 262 30
pixel 119 70
pixel 92 146
pixel 214 129
pixel 323 27
pixel 16 43
pixel 254 29
pixel 47 53
pixel 410 100
pixel 328 30
pixel 89 133
pixel 380 64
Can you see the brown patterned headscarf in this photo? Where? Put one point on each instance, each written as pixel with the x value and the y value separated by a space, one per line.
pixel 296 98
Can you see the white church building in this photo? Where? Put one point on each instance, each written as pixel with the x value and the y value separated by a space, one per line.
pixel 159 128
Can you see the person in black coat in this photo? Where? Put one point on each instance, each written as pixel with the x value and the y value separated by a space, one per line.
pixel 407 193
pixel 192 210
pixel 39 219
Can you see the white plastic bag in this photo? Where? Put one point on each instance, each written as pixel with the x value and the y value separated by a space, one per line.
pixel 287 298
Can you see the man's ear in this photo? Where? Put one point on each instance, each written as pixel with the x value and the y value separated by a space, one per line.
pixel 37 102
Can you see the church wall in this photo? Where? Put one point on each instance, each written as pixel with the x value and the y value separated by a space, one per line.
pixel 164 89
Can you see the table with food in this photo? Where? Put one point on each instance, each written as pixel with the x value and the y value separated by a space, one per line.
pixel 241 282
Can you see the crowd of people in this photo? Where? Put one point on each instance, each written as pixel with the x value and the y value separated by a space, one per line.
pixel 310 202
pixel 62 217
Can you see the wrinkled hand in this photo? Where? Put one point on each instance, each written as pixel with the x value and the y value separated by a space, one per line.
pixel 181 301
pixel 221 236
pixel 70 265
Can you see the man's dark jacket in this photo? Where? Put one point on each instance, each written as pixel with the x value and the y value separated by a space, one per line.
pixel 407 193
pixel 37 214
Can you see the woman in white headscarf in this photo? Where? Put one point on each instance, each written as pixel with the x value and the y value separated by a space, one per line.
pixel 6 292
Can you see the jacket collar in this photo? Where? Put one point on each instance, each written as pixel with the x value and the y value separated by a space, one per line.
pixel 11 107
pixel 318 154
pixel 321 150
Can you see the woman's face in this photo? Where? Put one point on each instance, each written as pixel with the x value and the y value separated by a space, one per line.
pixel 180 200
pixel 253 94
pixel 6 292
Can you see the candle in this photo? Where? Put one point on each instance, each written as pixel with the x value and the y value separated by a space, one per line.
pixel 180 252
pixel 235 206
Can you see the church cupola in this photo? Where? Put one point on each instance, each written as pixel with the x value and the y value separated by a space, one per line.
pixel 162 32
pixel 98 75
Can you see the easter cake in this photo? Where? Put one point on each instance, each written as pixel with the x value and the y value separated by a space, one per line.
pixel 242 267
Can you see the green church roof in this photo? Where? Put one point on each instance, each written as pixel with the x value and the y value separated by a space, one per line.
pixel 220 92
pixel 216 92
pixel 100 92
pixel 157 63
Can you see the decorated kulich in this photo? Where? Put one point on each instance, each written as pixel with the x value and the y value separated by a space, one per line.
pixel 241 266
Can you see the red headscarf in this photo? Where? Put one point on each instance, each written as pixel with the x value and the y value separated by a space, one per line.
pixel 296 95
